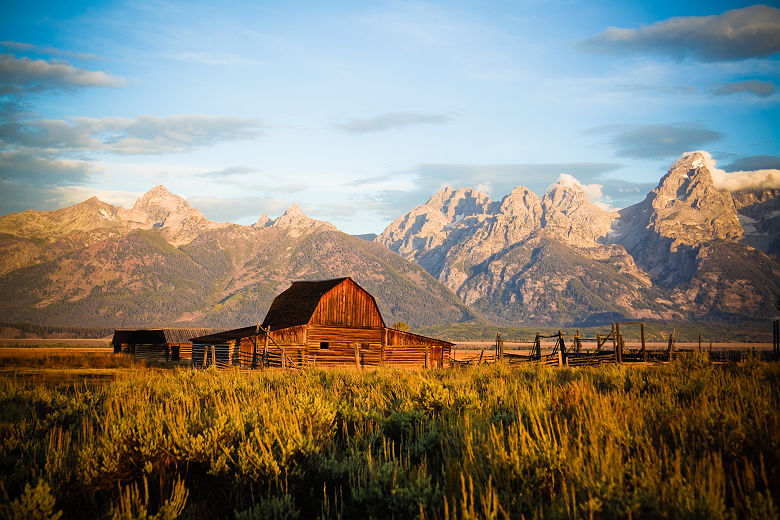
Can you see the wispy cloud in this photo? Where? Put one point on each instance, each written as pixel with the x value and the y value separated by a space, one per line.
pixel 750 32
pixel 19 75
pixel 31 48
pixel 393 120
pixel 659 141
pixel 143 135
pixel 212 58
pixel 755 87
pixel 20 165
pixel 229 171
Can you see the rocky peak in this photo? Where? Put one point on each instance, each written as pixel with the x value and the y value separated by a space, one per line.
pixel 454 204
pixel 571 216
pixel 160 209
pixel 294 217
pixel 565 197
pixel 262 222
pixel 688 208
pixel 521 202
pixel 158 204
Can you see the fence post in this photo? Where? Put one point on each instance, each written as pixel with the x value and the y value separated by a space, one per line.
pixel 213 355
pixel 265 346
pixel 670 347
pixel 562 350
pixel 427 356
pixel 619 344
pixel 357 355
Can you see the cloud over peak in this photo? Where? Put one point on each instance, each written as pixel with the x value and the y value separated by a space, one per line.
pixel 392 120
pixel 739 180
pixel 738 34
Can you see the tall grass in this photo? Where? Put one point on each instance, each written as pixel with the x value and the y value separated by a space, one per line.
pixel 687 440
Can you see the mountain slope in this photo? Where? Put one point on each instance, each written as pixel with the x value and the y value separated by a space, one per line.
pixel 163 262
pixel 514 259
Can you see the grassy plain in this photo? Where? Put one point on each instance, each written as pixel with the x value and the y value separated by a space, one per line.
pixel 684 440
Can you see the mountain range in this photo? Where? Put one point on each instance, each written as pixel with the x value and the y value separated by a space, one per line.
pixel 690 251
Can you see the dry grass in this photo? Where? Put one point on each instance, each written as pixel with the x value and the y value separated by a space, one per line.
pixel 685 440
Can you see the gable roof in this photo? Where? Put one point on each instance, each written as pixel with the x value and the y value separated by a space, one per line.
pixel 296 305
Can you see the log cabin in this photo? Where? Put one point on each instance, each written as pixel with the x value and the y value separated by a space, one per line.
pixel 170 344
pixel 320 324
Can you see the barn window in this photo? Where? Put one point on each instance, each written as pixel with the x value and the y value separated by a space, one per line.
pixel 324 345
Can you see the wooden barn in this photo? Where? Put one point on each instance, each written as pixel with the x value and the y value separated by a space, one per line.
pixel 157 344
pixel 323 323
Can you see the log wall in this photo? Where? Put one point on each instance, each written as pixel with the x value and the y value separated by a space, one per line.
pixel 341 346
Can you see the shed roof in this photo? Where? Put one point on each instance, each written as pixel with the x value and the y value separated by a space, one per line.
pixel 296 305
pixel 155 336
pixel 226 335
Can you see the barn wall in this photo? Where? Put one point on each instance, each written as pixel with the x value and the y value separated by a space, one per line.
pixel 407 349
pixel 341 349
pixel 347 305
pixel 185 350
pixel 152 352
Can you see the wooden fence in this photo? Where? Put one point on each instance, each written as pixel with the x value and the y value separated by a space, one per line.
pixel 556 350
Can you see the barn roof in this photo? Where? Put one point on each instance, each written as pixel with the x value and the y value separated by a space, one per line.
pixel 296 305
pixel 158 336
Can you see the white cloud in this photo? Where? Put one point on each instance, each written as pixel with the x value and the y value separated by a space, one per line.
pixel 592 191
pixel 741 180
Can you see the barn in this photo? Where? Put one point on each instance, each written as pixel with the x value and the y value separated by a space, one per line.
pixel 320 324
pixel 170 344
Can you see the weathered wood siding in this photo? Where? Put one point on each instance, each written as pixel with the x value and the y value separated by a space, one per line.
pixel 224 355
pixel 409 350
pixel 341 346
pixel 347 305
pixel 291 339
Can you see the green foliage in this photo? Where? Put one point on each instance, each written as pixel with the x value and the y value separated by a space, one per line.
pixel 36 503
pixel 402 326
pixel 686 440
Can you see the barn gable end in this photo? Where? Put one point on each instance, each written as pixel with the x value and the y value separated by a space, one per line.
pixel 331 303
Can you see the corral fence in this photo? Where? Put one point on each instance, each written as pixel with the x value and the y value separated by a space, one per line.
pixel 557 349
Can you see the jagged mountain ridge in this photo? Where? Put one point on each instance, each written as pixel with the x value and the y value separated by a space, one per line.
pixel 679 254
pixel 163 262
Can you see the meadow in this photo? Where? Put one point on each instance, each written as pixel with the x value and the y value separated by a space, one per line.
pixel 683 440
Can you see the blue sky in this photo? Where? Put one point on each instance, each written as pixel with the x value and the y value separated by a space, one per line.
pixel 358 111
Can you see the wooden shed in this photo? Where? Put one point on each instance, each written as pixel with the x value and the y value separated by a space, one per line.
pixel 157 344
pixel 320 323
